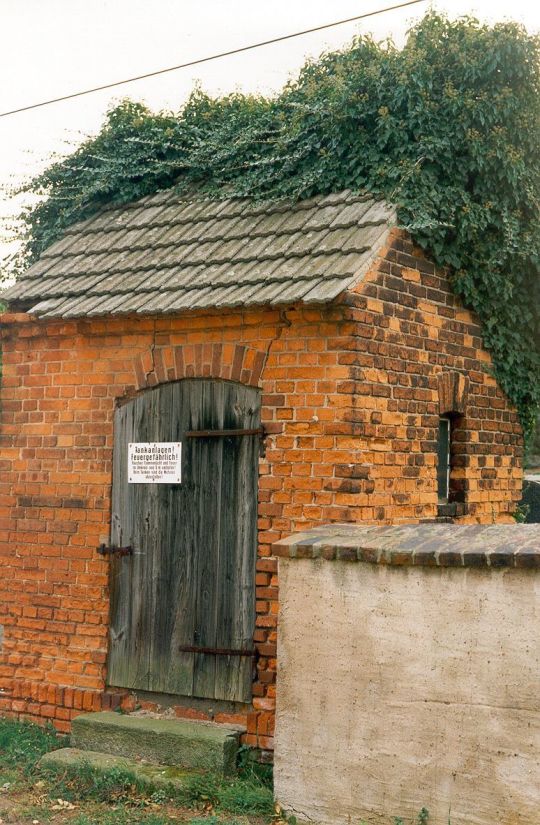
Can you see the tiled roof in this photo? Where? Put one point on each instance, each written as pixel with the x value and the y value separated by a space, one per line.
pixel 167 254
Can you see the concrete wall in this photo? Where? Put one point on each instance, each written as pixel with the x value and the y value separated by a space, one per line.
pixel 403 687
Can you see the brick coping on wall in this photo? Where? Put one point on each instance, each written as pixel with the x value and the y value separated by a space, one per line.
pixel 423 545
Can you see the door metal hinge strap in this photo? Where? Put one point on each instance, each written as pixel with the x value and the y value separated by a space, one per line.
pixel 112 550
pixel 217 651
pixel 224 433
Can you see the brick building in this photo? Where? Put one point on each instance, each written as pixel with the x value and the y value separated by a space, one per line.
pixel 308 356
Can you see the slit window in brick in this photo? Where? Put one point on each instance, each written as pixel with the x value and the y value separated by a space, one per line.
pixel 443 458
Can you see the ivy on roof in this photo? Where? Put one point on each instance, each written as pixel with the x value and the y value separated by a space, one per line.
pixel 447 129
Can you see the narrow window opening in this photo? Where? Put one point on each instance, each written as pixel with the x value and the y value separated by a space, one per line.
pixel 451 464
pixel 444 459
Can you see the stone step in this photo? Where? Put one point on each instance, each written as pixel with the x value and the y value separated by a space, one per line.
pixel 178 742
pixel 148 775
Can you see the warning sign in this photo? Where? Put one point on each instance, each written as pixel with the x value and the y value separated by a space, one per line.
pixel 155 462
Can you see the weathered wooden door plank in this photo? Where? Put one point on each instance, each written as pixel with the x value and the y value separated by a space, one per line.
pixel 208 456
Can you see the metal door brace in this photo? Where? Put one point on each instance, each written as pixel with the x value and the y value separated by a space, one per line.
pixel 112 550
pixel 218 651
pixel 224 433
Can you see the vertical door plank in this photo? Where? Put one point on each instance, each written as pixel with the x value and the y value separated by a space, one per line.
pixel 129 655
pixel 175 672
pixel 120 574
pixel 161 569
pixel 209 457
pixel 235 617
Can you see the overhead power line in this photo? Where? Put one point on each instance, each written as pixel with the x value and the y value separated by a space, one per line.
pixel 210 57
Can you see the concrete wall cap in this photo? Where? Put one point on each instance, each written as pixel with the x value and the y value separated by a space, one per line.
pixel 424 545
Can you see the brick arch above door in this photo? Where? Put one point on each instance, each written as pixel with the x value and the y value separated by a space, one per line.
pixel 234 362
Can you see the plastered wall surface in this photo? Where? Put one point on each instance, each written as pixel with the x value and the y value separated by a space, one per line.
pixel 403 687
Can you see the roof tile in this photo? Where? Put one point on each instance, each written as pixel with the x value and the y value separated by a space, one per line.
pixel 167 253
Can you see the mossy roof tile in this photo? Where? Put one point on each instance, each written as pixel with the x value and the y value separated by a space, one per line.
pixel 168 253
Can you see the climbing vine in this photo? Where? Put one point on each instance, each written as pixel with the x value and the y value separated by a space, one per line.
pixel 448 129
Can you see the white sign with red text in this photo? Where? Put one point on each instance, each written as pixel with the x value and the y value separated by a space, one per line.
pixel 153 462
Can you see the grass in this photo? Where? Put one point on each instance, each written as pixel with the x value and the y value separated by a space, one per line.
pixel 84 796
pixel 23 744
pixel 244 794
pixel 122 817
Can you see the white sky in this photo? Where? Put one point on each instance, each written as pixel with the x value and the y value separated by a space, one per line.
pixel 49 48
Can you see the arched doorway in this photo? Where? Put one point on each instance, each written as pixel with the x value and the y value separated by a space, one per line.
pixel 183 595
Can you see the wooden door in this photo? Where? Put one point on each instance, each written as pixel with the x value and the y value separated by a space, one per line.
pixel 188 589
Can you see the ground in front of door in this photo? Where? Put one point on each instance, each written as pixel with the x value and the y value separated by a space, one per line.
pixel 30 794
pixel 25 809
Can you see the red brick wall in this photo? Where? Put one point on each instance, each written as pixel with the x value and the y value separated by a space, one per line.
pixel 351 399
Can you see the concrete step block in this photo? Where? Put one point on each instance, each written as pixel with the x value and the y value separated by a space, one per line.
pixel 147 774
pixel 178 742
